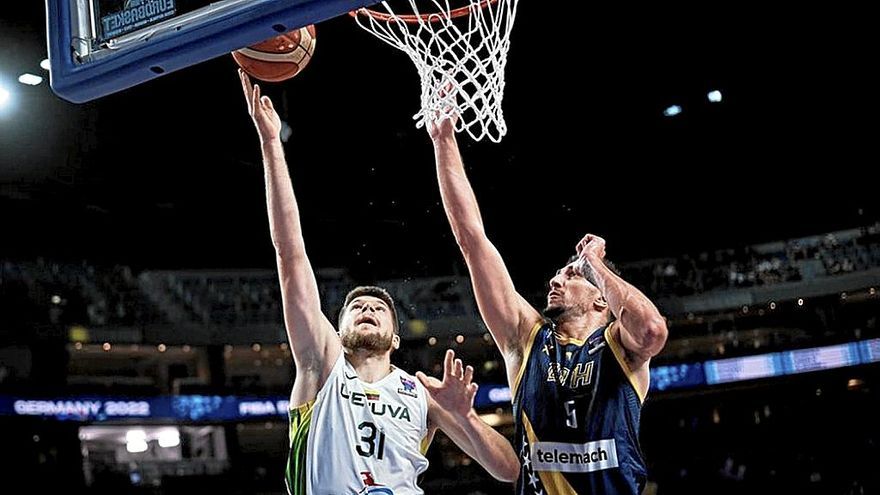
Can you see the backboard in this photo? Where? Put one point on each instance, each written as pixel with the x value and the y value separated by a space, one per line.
pixel 98 47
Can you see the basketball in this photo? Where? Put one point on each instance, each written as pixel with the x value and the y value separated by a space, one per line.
pixel 279 58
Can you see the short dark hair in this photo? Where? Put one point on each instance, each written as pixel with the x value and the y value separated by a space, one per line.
pixel 373 291
pixel 589 275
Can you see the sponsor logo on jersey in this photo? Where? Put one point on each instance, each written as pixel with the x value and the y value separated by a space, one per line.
pixel 574 457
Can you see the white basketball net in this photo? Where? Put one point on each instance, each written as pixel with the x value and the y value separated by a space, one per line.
pixel 468 54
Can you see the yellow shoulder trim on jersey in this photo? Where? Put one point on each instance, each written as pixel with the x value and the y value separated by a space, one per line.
pixel 300 415
pixel 525 358
pixel 426 443
pixel 300 424
pixel 620 356
pixel 569 340
pixel 303 408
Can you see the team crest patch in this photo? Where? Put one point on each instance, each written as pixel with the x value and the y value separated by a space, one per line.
pixel 409 387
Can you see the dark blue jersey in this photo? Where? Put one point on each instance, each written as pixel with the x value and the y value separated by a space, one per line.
pixel 577 416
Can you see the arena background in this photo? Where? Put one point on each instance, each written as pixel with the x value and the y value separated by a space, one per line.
pixel 137 275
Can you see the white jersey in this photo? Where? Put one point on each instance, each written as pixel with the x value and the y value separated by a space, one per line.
pixel 358 437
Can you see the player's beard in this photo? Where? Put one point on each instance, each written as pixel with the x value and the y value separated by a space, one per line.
pixel 554 311
pixel 560 312
pixel 371 342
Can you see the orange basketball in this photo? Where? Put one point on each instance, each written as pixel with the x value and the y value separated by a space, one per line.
pixel 279 58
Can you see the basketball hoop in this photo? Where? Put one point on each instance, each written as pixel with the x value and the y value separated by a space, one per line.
pixel 460 54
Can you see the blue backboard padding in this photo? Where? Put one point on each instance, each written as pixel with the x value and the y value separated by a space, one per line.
pixel 231 30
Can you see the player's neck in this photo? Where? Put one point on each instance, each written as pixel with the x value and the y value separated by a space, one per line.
pixel 579 327
pixel 370 367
